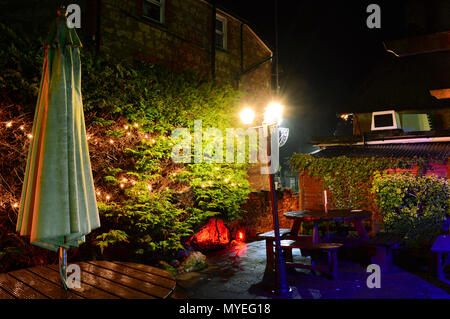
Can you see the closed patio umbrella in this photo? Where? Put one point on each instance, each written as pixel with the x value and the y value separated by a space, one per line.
pixel 58 206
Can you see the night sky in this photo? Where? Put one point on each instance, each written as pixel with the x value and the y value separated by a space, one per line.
pixel 326 51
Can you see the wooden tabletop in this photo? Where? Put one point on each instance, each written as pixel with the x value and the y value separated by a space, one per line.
pixel 442 244
pixel 332 215
pixel 99 280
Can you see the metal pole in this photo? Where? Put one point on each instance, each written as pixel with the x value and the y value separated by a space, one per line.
pixel 282 288
pixel 63 266
pixel 326 212
pixel 213 43
pixel 277 86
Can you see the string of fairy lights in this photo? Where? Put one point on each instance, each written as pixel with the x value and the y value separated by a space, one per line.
pixel 125 182
pixel 91 139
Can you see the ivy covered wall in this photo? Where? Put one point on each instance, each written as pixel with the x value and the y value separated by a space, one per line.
pixel 348 181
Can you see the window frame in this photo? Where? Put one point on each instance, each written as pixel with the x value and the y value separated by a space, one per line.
pixel 162 10
pixel 223 33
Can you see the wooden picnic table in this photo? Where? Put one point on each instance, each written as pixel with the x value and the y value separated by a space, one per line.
pixel 345 215
pixel 99 280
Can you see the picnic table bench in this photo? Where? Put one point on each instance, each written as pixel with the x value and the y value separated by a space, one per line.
pixel 384 245
pixel 99 280
pixel 305 244
pixel 441 248
pixel 290 238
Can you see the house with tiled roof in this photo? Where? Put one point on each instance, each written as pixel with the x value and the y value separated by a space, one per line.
pixel 403 111
pixel 419 127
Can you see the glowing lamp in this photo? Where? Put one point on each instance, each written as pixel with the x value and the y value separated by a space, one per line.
pixel 240 236
pixel 247 115
pixel 273 113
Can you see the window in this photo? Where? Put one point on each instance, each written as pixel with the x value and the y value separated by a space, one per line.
pixel 221 32
pixel 154 10
pixel 385 120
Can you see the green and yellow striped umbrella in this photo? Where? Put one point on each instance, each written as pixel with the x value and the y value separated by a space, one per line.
pixel 58 206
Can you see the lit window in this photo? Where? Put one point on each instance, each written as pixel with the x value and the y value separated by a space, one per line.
pixel 154 10
pixel 221 32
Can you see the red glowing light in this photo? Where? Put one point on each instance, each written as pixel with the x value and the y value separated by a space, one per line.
pixel 211 236
pixel 240 236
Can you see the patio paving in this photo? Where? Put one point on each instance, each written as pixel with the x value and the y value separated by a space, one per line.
pixel 237 273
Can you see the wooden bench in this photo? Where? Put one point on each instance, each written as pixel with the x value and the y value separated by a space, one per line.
pixel 384 245
pixel 330 249
pixel 288 242
pixel 284 232
pixel 441 248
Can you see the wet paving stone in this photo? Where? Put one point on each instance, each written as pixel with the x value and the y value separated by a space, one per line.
pixel 237 273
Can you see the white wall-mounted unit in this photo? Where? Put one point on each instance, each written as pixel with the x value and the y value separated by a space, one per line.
pixel 385 120
pixel 415 122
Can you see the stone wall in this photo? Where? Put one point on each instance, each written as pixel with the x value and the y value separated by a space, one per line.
pixel 258 217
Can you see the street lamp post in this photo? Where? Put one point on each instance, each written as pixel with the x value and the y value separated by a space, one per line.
pixel 272 118
pixel 282 287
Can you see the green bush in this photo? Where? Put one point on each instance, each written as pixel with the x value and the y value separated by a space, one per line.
pixel 159 101
pixel 413 206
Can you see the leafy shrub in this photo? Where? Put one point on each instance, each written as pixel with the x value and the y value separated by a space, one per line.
pixel 413 206
pixel 153 212
pixel 21 60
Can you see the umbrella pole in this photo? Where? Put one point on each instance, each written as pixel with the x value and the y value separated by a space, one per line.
pixel 63 266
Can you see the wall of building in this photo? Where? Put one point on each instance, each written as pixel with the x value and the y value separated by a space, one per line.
pixel 440 119
pixel 184 42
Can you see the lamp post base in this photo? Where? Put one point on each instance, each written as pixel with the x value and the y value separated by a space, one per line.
pixel 287 293
pixel 271 285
